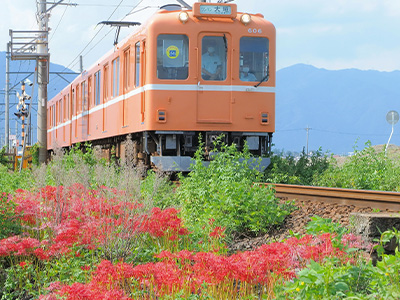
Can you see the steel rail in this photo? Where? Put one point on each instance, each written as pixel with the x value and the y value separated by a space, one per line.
pixel 360 198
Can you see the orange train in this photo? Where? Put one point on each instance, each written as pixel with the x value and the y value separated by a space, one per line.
pixel 185 73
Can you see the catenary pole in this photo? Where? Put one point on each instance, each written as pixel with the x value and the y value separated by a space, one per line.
pixel 42 81
pixel 7 100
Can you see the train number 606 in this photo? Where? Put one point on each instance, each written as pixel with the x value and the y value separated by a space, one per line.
pixel 254 30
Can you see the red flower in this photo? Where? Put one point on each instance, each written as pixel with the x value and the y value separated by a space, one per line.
pixel 22 264
pixel 218 232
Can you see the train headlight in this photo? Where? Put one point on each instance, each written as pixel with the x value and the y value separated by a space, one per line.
pixel 183 17
pixel 245 19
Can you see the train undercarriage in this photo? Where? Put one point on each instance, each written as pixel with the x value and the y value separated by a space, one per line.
pixel 174 150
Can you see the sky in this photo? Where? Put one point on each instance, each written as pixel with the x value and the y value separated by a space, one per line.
pixel 335 34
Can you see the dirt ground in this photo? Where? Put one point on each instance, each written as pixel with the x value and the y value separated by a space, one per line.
pixel 297 221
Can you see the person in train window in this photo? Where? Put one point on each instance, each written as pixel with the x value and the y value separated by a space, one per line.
pixel 245 75
pixel 211 65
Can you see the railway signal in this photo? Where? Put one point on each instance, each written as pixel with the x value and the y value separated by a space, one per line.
pixel 21 106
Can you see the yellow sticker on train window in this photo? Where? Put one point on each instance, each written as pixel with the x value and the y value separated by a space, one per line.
pixel 172 52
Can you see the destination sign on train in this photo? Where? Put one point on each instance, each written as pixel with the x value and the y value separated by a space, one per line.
pixel 214 10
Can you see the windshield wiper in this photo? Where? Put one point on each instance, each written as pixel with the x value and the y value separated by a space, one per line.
pixel 226 44
pixel 266 77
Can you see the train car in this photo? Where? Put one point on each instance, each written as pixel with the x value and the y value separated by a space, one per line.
pixel 182 75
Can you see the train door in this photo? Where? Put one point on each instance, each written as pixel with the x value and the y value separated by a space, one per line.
pixel 214 92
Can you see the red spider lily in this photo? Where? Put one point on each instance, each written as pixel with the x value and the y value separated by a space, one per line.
pixel 218 232
pixel 241 274
pixel 85 268
pixel 77 216
pixel 22 264
pixel 18 246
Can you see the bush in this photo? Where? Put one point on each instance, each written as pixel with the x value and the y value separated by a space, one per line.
pixel 292 170
pixel 9 221
pixel 224 191
pixel 10 180
pixel 366 169
pixel 3 158
pixel 353 279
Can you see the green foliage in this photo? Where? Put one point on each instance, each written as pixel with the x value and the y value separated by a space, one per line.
pixel 319 225
pixel 3 158
pixel 292 170
pixel 9 222
pixel 386 278
pixel 352 280
pixel 10 180
pixel 366 169
pixel 35 154
pixel 157 187
pixel 225 191
pixel 27 279
pixel 330 280
pixel 69 167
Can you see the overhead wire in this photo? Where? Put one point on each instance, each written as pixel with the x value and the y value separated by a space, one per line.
pixel 75 61
pixel 59 22
pixel 87 45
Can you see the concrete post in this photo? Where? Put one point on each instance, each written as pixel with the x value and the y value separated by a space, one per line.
pixel 43 64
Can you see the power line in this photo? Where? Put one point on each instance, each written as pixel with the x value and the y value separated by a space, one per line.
pixel 106 5
pixel 87 45
pixel 75 61
pixel 62 16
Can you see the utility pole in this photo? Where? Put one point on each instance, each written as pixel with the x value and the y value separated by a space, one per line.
pixel 42 63
pixel 33 45
pixel 7 100
pixel 307 129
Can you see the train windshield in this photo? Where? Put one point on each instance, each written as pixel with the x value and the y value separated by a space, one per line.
pixel 213 58
pixel 254 53
pixel 172 56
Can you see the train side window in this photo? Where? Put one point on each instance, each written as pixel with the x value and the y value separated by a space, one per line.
pixel 83 106
pixel 115 64
pixel 68 107
pixel 57 104
pixel 137 65
pixel 213 58
pixel 60 119
pixel 65 108
pixel 97 87
pixel 89 93
pixel 54 116
pixel 78 105
pixel 172 56
pixel 127 70
pixel 105 84
pixel 73 103
pixel 254 58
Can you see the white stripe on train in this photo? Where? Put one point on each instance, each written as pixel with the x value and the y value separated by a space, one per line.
pixel 170 87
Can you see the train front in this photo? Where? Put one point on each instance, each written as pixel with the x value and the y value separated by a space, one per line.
pixel 210 71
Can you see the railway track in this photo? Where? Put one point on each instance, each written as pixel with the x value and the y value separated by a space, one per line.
pixel 359 198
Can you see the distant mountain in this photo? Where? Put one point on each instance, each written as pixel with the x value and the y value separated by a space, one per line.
pixel 341 107
pixel 25 68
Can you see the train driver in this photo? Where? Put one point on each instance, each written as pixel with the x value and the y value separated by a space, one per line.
pixel 211 65
pixel 245 75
